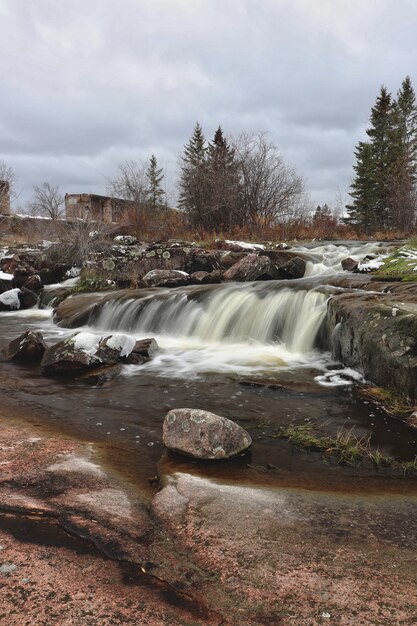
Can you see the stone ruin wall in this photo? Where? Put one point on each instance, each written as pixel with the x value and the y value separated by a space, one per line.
pixel 91 207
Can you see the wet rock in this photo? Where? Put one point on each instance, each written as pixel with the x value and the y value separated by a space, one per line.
pixel 295 268
pixel 102 375
pixel 349 264
pixel 144 350
pixel 27 298
pixel 33 283
pixel 9 263
pixel 199 261
pixel 203 435
pixel 206 278
pixel 376 335
pixel 252 267
pixel 166 278
pixel 73 356
pixel 27 347
pixel 83 352
pixel 54 274
pixel 21 275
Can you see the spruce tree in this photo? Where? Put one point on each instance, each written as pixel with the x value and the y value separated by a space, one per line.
pixel 194 177
pixel 223 189
pixel 362 213
pixel 384 155
pixel 404 177
pixel 154 191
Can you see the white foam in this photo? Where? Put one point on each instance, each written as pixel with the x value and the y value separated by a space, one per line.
pixel 339 378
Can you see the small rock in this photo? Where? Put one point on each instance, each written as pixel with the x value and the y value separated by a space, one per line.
pixel 7 568
pixel 203 435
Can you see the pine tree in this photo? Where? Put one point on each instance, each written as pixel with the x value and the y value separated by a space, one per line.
pixel 404 177
pixel 154 191
pixel 194 177
pixel 363 190
pixel 223 189
pixel 383 146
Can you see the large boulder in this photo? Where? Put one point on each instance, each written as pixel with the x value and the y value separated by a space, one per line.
pixel 27 347
pixel 166 278
pixel 252 267
pixel 295 268
pixel 203 435
pixel 84 351
pixel 72 356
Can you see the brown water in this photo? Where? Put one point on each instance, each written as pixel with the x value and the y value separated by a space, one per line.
pixel 125 418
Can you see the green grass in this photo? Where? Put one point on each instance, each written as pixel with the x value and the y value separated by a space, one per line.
pixel 410 467
pixel 400 265
pixel 346 448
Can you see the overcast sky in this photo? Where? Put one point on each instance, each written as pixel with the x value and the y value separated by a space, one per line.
pixel 87 84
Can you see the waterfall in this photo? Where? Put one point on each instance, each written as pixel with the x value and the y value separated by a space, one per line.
pixel 227 314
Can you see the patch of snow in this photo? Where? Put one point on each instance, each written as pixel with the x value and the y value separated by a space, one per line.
pixel 373 264
pixel 11 298
pixel 87 342
pixel 124 343
pixel 245 245
pixel 73 272
pixel 5 276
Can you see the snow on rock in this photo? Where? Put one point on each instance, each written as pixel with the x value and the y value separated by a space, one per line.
pixel 122 343
pixel 11 298
pixel 368 266
pixel 87 342
pixel 5 276
pixel 245 245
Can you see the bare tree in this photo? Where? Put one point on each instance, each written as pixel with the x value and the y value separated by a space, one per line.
pixel 47 201
pixel 130 183
pixel 271 190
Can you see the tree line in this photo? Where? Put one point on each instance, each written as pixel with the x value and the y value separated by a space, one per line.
pixel 245 181
pixel 384 190
pixel 222 184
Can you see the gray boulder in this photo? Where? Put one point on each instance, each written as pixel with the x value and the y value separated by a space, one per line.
pixel 203 435
pixel 165 278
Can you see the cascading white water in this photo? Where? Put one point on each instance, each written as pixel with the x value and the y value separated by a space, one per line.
pixel 230 313
pixel 331 255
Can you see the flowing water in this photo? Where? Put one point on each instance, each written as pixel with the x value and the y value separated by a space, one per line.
pixel 253 352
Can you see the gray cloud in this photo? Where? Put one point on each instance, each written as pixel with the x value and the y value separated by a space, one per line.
pixel 87 85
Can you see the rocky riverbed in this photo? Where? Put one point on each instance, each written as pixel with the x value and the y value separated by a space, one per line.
pixel 101 524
